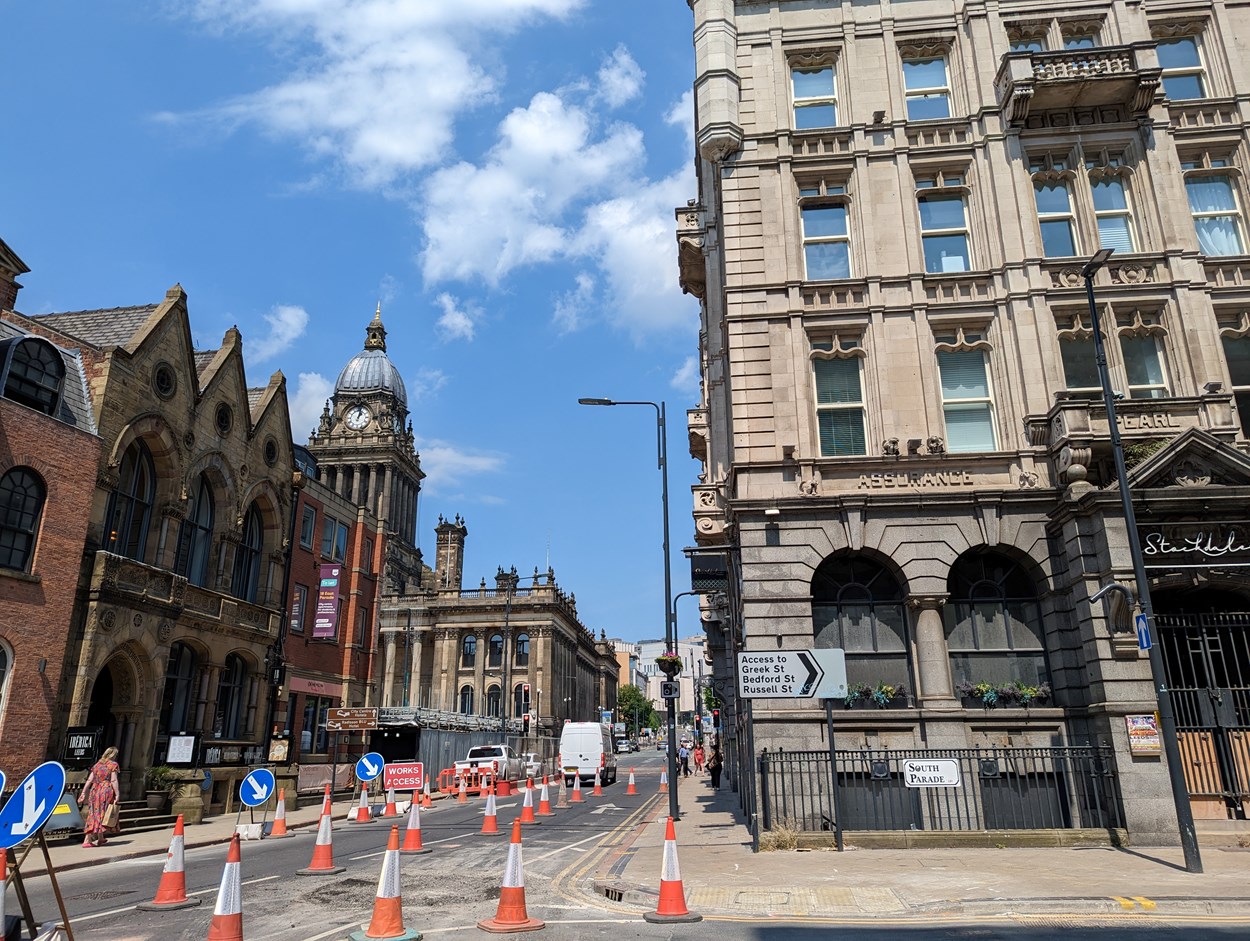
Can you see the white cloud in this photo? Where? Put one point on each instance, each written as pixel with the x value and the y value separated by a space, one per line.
pixel 447 466
pixel 427 383
pixel 620 78
pixel 311 391
pixel 456 322
pixel 569 313
pixel 287 323
pixel 682 115
pixel 686 379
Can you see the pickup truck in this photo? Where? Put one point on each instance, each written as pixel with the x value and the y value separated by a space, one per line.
pixel 500 760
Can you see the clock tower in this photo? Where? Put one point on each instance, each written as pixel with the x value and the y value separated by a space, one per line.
pixel 365 453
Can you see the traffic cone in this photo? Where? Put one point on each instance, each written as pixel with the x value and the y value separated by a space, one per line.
pixel 544 801
pixel 279 830
pixel 327 803
pixel 412 833
pixel 672 905
pixel 598 791
pixel 577 790
pixel 426 802
pixel 527 805
pixel 388 908
pixel 511 914
pixel 362 814
pixel 228 915
pixel 389 810
pixel 463 796
pixel 631 790
pixel 323 852
pixel 563 800
pixel 490 822
pixel 172 891
pixel 663 782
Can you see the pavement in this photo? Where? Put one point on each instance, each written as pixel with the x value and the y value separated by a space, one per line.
pixel 723 877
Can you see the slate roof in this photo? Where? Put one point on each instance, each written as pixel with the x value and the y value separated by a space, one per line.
pixel 253 399
pixel 75 405
pixel 101 328
pixel 203 358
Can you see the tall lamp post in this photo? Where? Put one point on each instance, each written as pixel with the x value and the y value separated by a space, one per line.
pixel 1167 719
pixel 670 642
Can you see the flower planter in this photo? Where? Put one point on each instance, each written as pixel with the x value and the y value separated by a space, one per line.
pixel 157 800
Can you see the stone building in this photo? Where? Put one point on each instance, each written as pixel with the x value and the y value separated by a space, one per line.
pixel 179 597
pixel 48 454
pixel 905 449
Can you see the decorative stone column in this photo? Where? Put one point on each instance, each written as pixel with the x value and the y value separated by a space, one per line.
pixel 932 658
pixel 388 670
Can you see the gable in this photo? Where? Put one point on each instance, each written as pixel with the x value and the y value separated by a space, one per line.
pixel 1192 459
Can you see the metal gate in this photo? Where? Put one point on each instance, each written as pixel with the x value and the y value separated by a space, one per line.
pixel 1206 659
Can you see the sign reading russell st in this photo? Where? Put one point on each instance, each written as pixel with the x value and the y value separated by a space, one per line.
pixel 792 674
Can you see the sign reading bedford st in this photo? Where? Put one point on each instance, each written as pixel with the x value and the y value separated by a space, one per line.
pixel 931 772
pixel 792 674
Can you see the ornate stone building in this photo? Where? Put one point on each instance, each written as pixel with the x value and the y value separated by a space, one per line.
pixel 179 596
pixel 905 449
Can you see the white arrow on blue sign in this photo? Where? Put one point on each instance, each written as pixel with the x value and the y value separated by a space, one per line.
pixel 369 766
pixel 1143 632
pixel 31 804
pixel 256 787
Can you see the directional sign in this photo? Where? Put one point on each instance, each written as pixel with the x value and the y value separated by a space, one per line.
pixel 369 766
pixel 404 776
pixel 31 804
pixel 792 674
pixel 1143 632
pixel 360 719
pixel 256 787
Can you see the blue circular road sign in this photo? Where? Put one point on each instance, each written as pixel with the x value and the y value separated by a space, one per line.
pixel 369 766
pixel 256 788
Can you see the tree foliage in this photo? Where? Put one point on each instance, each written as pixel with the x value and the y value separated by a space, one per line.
pixel 629 698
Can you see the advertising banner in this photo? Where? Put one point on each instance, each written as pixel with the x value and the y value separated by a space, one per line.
pixel 325 620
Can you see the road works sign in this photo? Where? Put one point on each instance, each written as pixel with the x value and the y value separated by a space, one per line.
pixel 792 674
pixel 255 789
pixel 404 776
pixel 360 719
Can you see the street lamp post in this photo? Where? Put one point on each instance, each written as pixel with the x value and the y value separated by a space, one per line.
pixel 1167 719
pixel 670 642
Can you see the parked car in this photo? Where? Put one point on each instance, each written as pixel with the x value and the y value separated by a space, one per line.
pixel 500 760
pixel 533 764
pixel 586 748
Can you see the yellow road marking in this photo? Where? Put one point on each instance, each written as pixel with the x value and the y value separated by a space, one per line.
pixel 1127 904
pixel 1145 903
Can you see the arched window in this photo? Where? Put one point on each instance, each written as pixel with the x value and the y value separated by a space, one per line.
pixel 494 651
pixel 196 540
pixel 130 508
pixel 246 580
pixel 518 701
pixel 993 622
pixel 468 650
pixel 466 700
pixel 21 504
pixel 858 605
pixel 494 698
pixel 34 372
pixel 178 699
pixel 231 698
pixel 523 650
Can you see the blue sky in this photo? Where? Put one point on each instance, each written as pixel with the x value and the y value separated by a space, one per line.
pixel 500 174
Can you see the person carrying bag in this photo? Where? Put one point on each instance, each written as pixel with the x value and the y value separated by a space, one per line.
pixel 99 799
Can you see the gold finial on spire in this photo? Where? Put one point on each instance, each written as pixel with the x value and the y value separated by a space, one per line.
pixel 375 333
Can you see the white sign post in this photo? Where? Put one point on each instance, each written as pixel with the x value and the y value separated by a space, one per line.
pixel 792 674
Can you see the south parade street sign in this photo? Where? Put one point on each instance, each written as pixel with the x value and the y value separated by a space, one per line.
pixel 792 674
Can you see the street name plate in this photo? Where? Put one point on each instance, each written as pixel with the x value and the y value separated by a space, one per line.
pixel 792 674
pixel 351 720
pixel 931 772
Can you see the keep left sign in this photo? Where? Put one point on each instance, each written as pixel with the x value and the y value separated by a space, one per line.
pixel 404 776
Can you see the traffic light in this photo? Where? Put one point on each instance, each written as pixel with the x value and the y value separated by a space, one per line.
pixel 525 723
pixel 716 718
pixel 525 696
pixel 698 722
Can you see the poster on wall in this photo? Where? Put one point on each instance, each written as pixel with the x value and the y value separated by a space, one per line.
pixel 1143 735
pixel 325 620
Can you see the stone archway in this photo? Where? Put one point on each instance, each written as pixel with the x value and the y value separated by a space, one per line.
pixel 116 706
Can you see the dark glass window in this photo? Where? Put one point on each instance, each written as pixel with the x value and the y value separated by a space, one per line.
pixel 21 505
pixel 494 697
pixel 857 604
pixel 466 700
pixel 494 651
pixel 130 508
pixel 523 650
pixel 518 700
pixel 246 581
pixel 231 698
pixel 196 541
pixel 178 701
pixel 35 374
pixel 468 651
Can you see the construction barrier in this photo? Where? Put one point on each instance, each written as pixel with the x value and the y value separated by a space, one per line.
pixel 672 907
pixel 171 893
pixel 388 907
pixel 511 914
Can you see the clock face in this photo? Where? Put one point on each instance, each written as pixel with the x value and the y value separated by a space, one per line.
pixel 357 417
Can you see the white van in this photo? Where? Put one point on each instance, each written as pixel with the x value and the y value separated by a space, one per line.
pixel 586 747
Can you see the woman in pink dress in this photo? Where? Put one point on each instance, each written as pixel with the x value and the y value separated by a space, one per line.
pixel 98 792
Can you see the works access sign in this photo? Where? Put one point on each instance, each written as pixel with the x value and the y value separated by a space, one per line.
pixel 404 776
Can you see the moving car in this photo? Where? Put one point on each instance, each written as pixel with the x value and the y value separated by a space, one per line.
pixel 586 747
pixel 623 747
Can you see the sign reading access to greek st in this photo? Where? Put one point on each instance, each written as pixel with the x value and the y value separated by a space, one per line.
pixel 792 674
pixel 404 776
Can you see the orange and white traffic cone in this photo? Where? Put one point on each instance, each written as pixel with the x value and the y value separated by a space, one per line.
pixel 598 791
pixel 511 914
pixel 527 805
pixel 463 796
pixel 228 915
pixel 577 790
pixel 631 790
pixel 412 833
pixel 544 801
pixel 563 800
pixel 172 891
pixel 426 802
pixel 672 905
pixel 279 830
pixel 663 782
pixel 388 908
pixel 327 803
pixel 323 852
pixel 389 810
pixel 490 821
pixel 362 813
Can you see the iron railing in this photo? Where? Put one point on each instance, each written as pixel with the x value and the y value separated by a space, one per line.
pixel 1067 787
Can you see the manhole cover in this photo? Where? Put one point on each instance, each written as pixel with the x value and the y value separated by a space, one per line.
pixel 763 898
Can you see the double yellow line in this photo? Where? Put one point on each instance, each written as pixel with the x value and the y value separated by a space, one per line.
pixel 566 882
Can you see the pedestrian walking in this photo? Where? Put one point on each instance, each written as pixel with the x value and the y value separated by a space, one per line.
pixel 699 755
pixel 99 793
pixel 714 763
pixel 683 760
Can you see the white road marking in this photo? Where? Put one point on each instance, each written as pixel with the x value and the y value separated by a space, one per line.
pixel 597 836
pixel 117 911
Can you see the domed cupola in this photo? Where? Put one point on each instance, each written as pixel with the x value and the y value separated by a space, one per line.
pixel 371 370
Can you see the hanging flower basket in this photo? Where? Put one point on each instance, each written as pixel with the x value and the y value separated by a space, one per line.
pixel 670 664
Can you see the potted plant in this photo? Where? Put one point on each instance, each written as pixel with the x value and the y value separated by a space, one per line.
pixel 880 696
pixel 160 780
pixel 670 664
pixel 993 695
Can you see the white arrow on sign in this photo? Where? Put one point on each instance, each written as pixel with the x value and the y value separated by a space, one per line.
pixel 605 808
pixel 259 791
pixel 30 811
pixel 369 769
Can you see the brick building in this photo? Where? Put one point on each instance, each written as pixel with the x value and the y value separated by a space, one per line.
pixel 48 453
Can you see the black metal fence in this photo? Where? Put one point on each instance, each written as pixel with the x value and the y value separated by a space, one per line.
pixel 1069 787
